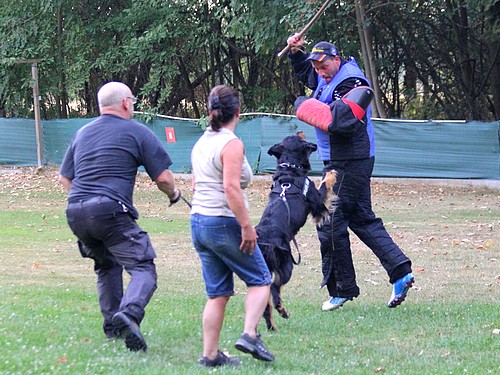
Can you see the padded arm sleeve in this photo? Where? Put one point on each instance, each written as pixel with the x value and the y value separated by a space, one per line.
pixel 358 99
pixel 344 122
pixel 315 113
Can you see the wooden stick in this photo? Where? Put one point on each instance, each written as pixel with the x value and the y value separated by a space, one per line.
pixel 306 27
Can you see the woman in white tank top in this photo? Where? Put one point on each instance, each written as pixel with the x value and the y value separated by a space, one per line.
pixel 222 233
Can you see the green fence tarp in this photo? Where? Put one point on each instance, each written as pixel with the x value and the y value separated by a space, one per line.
pixel 423 149
pixel 56 136
pixel 437 149
pixel 18 144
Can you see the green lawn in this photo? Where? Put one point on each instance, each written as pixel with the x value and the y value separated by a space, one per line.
pixel 50 321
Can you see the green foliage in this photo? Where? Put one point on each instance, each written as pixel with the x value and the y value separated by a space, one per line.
pixel 146 117
pixel 268 100
pixel 172 52
pixel 202 122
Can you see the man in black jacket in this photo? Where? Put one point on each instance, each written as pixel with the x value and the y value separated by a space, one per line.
pixel 340 113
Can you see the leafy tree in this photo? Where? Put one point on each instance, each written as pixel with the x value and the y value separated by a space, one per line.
pixel 426 59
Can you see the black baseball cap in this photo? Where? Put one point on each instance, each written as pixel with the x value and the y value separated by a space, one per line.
pixel 322 50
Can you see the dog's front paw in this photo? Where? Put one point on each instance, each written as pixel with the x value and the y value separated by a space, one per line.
pixel 329 179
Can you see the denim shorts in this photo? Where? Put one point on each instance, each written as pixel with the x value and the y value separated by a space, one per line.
pixel 217 241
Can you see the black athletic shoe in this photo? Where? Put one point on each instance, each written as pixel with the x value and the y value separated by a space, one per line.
pixel 127 329
pixel 220 360
pixel 254 346
pixel 109 330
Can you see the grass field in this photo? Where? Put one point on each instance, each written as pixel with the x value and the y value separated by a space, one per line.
pixel 50 321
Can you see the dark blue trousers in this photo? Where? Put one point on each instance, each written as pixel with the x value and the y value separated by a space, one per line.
pixel 111 237
pixel 354 211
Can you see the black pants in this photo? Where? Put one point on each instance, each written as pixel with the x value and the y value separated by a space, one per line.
pixel 354 211
pixel 111 237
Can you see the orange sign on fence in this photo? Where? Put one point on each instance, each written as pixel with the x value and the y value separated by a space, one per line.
pixel 170 134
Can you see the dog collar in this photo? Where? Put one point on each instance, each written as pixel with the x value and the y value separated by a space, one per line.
pixel 288 165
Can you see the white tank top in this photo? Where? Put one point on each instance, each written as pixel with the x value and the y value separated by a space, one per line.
pixel 209 197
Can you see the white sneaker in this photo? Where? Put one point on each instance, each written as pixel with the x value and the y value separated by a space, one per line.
pixel 334 303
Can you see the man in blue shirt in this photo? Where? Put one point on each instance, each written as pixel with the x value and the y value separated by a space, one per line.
pixel 99 171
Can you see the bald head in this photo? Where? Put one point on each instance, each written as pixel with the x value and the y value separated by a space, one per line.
pixel 112 93
pixel 113 98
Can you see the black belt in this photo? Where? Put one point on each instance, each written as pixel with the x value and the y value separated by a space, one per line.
pixel 94 200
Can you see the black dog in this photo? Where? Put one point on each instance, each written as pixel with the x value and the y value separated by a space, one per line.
pixel 293 197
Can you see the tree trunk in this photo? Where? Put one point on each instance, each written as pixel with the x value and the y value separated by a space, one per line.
pixel 368 59
pixel 495 78
pixel 189 87
pixel 461 30
pixel 494 57
pixel 62 104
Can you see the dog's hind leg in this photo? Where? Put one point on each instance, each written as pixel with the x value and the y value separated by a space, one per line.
pixel 268 316
pixel 279 305
pixel 281 279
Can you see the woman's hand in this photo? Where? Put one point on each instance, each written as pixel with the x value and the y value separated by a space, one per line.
pixel 248 239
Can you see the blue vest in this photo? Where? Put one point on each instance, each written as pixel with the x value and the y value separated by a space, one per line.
pixel 349 69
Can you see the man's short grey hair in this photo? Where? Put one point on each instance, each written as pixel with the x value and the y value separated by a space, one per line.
pixel 112 93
